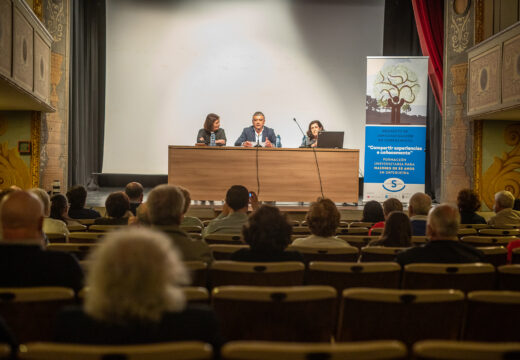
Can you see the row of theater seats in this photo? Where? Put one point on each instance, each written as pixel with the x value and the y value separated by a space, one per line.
pixel 465 277
pixel 310 313
pixel 261 350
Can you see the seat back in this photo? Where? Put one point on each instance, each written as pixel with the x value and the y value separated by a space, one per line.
pixel 278 313
pixel 380 253
pixel 499 232
pixel 495 255
pixel 301 230
pixel 256 273
pixel 30 312
pixel 56 237
pixel 191 229
pixel 419 240
pixel 348 254
pixel 224 251
pixel 464 277
pixel 348 275
pixel 492 316
pixel 196 295
pixel 509 277
pixel 352 231
pixel 358 241
pixel 482 240
pixel 85 237
pixel 265 350
pixel 465 231
pixel 463 350
pixel 363 224
pixel 232 239
pixel 77 228
pixel 404 315
pixel 105 228
pixel 187 350
pixel 198 271
pixel 515 256
pixel 474 226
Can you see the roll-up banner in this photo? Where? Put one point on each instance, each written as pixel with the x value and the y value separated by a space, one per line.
pixel 395 129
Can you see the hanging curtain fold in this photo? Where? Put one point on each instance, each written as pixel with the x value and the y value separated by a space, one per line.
pixel 429 17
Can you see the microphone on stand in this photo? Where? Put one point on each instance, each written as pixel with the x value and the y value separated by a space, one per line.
pixel 315 158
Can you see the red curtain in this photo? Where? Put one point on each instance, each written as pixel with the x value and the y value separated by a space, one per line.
pixel 429 17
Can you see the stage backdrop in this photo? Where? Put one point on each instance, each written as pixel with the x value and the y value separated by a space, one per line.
pixel 170 63
pixel 395 132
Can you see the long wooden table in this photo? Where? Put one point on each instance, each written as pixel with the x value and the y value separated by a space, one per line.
pixel 283 174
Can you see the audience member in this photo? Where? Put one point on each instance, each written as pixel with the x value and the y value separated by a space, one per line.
pixel 60 210
pixel 397 232
pixel 505 215
pixel 268 234
pixel 50 225
pixel 418 207
pixel 373 212
pixel 23 261
pixel 77 196
pixel 234 212
pixel 165 205
pixel 117 205
pixel 443 245
pixel 468 203
pixel 323 220
pixel 389 205
pixel 188 220
pixel 516 205
pixel 134 296
pixel 134 191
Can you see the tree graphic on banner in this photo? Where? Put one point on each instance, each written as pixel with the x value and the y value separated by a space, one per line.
pixel 396 87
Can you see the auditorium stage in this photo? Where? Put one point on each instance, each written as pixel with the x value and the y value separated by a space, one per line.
pixel 297 211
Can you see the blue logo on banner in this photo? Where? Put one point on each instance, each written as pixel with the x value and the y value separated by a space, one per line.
pixel 394 185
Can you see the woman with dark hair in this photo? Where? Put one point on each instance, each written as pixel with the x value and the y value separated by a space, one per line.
pixel 311 140
pixel 468 202
pixel 118 210
pixel 212 134
pixel 268 234
pixel 373 212
pixel 60 209
pixel 398 231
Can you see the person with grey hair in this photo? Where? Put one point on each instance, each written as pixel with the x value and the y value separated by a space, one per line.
pixel 504 213
pixel 418 207
pixel 134 296
pixel 23 260
pixel 50 225
pixel 165 211
pixel 443 245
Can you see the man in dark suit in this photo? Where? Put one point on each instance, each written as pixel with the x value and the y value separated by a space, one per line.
pixel 23 261
pixel 443 246
pixel 257 133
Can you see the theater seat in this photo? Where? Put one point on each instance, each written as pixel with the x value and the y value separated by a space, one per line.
pixel 404 315
pixel 362 224
pixel 495 255
pixel 349 254
pixel 380 253
pixel 463 350
pixel 196 295
pixel 264 350
pixel 188 350
pixel 56 237
pixel 198 272
pixel 224 251
pixel 480 241
pixel 493 316
pixel 85 237
pixel 509 277
pixel 358 241
pixel 295 313
pixel 288 273
pixel 499 232
pixel 232 239
pixel 30 312
pixel 464 277
pixel 105 228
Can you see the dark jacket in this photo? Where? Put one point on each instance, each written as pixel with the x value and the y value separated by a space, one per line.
pixel 29 265
pixel 418 227
pixel 442 252
pixel 250 256
pixel 219 135
pixel 111 221
pixel 193 323
pixel 471 218
pixel 83 213
pixel 248 134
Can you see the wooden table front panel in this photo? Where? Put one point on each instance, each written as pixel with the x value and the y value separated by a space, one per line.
pixel 284 174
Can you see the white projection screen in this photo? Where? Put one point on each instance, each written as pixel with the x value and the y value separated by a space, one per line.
pixel 170 63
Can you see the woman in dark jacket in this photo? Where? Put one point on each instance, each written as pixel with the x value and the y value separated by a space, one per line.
pixel 212 129
pixel 468 203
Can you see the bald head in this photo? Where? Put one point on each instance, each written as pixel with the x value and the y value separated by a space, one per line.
pixel 419 204
pixel 134 190
pixel 21 214
pixel 443 223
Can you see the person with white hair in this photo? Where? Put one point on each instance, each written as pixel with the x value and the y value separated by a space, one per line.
pixel 50 225
pixel 165 211
pixel 504 213
pixel 443 245
pixel 134 296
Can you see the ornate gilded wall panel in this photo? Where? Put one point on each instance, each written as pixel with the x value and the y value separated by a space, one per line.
pixel 6 33
pixel 511 71
pixel 22 51
pixel 484 80
pixel 42 59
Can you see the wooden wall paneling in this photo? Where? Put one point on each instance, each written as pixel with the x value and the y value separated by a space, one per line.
pixel 42 58
pixel 6 34
pixel 511 72
pixel 484 80
pixel 23 48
